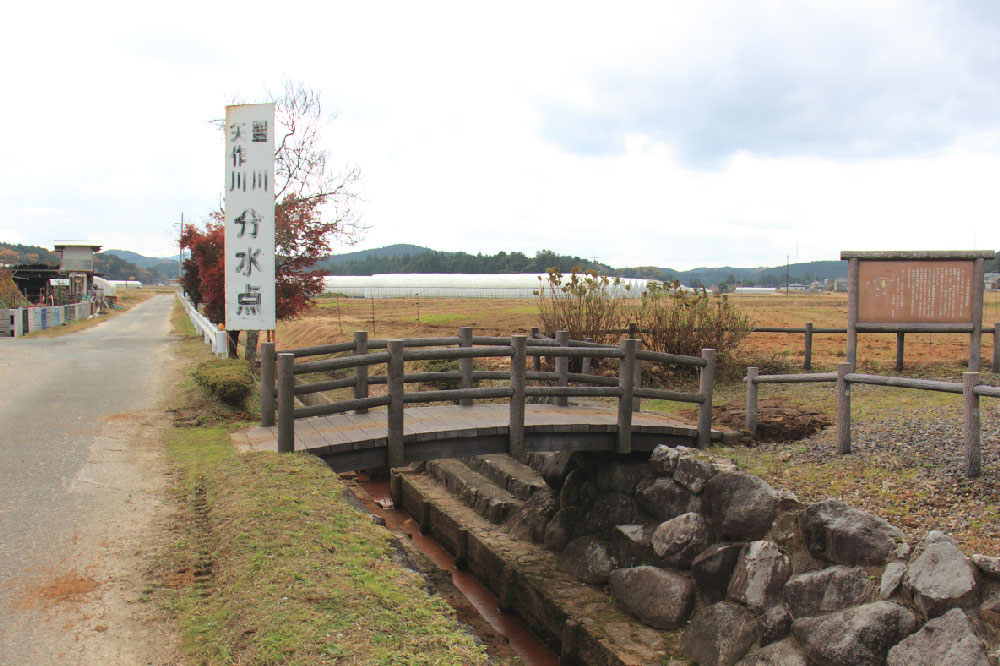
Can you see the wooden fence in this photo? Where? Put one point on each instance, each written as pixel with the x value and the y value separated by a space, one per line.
pixel 969 387
pixel 278 370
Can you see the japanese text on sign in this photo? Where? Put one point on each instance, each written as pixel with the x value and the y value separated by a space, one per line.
pixel 915 291
pixel 249 188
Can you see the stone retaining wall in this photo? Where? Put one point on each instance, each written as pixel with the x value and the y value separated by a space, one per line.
pixel 754 577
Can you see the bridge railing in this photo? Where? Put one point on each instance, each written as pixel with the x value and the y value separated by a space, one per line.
pixel 279 371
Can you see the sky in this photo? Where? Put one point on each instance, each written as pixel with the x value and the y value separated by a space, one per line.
pixel 672 134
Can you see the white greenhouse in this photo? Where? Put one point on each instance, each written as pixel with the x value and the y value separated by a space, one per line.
pixel 453 285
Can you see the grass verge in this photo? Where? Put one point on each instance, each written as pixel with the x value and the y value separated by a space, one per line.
pixel 273 566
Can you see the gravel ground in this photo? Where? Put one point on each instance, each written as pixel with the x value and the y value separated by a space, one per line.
pixel 905 467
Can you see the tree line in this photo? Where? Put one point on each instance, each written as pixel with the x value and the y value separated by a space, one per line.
pixel 461 262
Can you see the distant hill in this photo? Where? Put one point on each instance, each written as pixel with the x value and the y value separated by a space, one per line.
pixel 27 254
pixel 389 251
pixel 165 266
pixel 416 259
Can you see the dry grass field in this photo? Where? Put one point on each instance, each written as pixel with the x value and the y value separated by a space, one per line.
pixel 905 464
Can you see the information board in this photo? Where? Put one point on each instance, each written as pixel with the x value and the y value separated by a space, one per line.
pixel 915 292
pixel 249 187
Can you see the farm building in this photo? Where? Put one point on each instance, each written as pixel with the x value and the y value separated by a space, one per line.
pixel 453 285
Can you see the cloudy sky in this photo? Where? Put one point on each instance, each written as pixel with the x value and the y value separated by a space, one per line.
pixel 643 133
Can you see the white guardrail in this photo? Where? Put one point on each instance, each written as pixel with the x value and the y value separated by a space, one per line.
pixel 215 336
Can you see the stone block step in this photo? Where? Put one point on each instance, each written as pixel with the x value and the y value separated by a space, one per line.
pixel 475 490
pixel 516 478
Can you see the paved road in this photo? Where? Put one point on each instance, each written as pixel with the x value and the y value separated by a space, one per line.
pixel 80 482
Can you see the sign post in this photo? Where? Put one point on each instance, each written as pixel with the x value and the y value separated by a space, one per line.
pixel 249 265
pixel 915 292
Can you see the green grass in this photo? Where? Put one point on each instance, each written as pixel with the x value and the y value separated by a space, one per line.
pixel 271 565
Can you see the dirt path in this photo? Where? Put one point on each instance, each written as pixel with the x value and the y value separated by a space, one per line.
pixel 83 504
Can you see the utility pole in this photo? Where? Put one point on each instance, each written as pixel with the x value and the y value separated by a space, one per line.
pixel 786 274
pixel 180 251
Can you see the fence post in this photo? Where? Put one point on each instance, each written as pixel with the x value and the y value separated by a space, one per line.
pixel 562 367
pixel 636 377
pixel 515 443
pixel 587 361
pixel 976 337
pixel 394 439
pixel 900 337
pixel 751 380
pixel 996 347
pixel 626 379
pixel 705 408
pixel 361 371
pixel 465 364
pixel 972 453
pixel 267 384
pixel 843 409
pixel 536 363
pixel 286 403
pixel 809 346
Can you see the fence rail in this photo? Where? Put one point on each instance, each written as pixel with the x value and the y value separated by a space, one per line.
pixel 278 371
pixel 15 322
pixel 970 388
pixel 217 337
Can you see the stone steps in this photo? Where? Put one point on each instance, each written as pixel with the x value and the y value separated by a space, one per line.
pixel 488 499
pixel 579 622
pixel 518 479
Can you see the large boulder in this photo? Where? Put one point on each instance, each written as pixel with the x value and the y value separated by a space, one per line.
pixel 892 578
pixel 559 531
pixel 693 472
pixel 679 540
pixel 759 575
pixel 988 565
pixel 741 506
pixel 840 534
pixel 571 492
pixel 588 558
pixel 530 521
pixel 664 499
pixel 831 589
pixel 664 459
pixel 633 544
pixel 860 636
pixel 719 635
pixel 713 568
pixel 774 624
pixel 659 598
pixel 606 511
pixel 946 640
pixel 556 467
pixel 784 653
pixel 942 577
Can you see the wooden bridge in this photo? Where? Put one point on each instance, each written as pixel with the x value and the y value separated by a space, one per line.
pixel 348 436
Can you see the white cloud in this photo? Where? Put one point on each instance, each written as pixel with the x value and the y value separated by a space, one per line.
pixel 658 133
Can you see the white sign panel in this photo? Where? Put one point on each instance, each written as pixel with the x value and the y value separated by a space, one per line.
pixel 250 302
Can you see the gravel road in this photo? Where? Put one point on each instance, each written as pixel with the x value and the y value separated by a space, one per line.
pixel 82 481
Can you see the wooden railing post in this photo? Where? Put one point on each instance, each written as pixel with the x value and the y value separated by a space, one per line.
pixel 976 337
pixel 267 384
pixel 626 379
pixel 996 347
pixel 633 329
pixel 972 453
pixel 465 364
pixel 587 361
pixel 809 346
pixel 900 341
pixel 562 367
pixel 394 373
pixel 636 378
pixel 705 408
pixel 843 409
pixel 286 403
pixel 361 371
pixel 536 363
pixel 751 380
pixel 515 444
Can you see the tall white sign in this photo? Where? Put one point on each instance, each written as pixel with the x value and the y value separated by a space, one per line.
pixel 250 300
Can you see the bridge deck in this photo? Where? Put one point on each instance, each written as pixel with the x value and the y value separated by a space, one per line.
pixel 347 441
